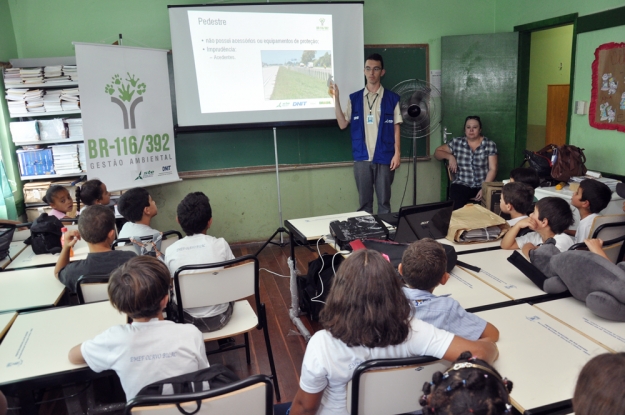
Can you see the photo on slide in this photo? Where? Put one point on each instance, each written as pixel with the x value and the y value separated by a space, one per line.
pixel 296 74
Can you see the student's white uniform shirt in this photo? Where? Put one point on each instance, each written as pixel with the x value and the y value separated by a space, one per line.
pixel 194 250
pixel 513 222
pixel 143 353
pixel 563 241
pixel 583 229
pixel 329 363
pixel 136 229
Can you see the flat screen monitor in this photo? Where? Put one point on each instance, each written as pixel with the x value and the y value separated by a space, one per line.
pixel 424 221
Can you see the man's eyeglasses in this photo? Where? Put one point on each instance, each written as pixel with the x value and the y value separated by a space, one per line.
pixel 375 69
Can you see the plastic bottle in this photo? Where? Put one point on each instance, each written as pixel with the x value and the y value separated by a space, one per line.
pixel 554 156
pixel 71 250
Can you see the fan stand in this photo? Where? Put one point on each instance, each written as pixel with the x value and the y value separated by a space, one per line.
pixel 414 165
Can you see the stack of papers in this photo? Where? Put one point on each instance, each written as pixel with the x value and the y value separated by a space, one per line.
pixel 12 77
pixel 75 128
pixel 71 71
pixel 52 100
pixel 82 157
pixel 24 131
pixel 54 74
pixel 16 101
pixel 31 75
pixel 34 101
pixel 66 159
pixel 52 130
pixel 70 99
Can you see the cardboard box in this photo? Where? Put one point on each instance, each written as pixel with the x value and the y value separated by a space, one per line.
pixel 491 196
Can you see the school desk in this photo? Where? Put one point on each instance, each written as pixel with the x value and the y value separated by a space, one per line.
pixel 541 355
pixel 496 271
pixel 34 352
pixel 476 247
pixel 29 288
pixel 574 313
pixel 14 250
pixel 472 293
pixel 6 319
pixel 27 258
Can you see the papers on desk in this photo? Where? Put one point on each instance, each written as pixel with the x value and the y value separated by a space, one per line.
pixel 469 291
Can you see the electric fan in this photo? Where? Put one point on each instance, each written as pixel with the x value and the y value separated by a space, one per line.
pixel 421 108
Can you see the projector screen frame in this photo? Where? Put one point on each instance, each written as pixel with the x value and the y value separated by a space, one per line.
pixel 325 120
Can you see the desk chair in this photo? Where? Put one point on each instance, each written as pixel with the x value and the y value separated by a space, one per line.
pixel 393 387
pixel 169 238
pixel 251 396
pixel 614 248
pixel 92 288
pixel 207 284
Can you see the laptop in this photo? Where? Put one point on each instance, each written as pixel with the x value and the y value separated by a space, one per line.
pixel 430 220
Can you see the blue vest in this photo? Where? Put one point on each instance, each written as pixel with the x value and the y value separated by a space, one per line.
pixel 385 143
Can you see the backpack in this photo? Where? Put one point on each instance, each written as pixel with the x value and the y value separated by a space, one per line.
pixel 6 236
pixel 314 287
pixel 569 163
pixel 216 375
pixel 45 235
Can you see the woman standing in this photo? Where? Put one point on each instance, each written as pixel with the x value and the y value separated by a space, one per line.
pixel 473 160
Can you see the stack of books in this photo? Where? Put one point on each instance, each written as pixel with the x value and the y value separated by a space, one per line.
pixel 70 99
pixel 24 131
pixel 31 75
pixel 71 71
pixel 37 162
pixel 16 101
pixel 52 100
pixel 52 130
pixel 34 101
pixel 75 128
pixel 54 74
pixel 66 159
pixel 12 77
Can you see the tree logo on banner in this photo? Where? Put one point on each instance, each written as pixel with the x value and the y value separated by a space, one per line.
pixel 126 92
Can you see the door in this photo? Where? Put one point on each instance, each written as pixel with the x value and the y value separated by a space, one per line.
pixel 479 77
pixel 557 114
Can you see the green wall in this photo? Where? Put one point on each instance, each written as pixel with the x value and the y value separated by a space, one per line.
pixel 604 149
pixel 246 205
pixel 550 64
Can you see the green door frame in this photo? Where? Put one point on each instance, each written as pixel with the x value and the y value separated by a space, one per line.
pixel 525 39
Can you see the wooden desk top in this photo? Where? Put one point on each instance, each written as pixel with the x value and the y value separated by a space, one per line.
pixel 29 259
pixel 469 291
pixel 497 272
pixel 6 319
pixel 574 313
pixel 38 343
pixel 541 355
pixel 14 250
pixel 29 288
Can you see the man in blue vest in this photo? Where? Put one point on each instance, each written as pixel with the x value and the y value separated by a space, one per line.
pixel 374 115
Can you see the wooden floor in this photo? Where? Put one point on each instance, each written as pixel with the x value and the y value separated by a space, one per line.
pixel 287 344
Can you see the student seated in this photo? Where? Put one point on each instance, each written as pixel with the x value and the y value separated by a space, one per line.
pixel 551 217
pixel 516 200
pixel 525 175
pixel 423 269
pixel 195 216
pixel 93 192
pixel 140 288
pixel 367 316
pixel 591 197
pixel 59 200
pixel 138 207
pixel 469 386
pixel 96 225
pixel 598 389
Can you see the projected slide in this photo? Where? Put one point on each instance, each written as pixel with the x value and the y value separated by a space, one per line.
pixel 262 61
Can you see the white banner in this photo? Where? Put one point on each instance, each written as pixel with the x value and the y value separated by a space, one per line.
pixel 127 117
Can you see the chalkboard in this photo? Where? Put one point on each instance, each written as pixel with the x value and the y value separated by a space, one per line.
pixel 296 145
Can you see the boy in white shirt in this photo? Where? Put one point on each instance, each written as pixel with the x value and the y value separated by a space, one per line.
pixel 140 288
pixel 516 200
pixel 551 217
pixel 138 208
pixel 591 197
pixel 195 216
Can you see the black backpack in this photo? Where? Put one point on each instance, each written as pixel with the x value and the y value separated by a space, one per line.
pixel 45 235
pixel 216 375
pixel 315 286
pixel 6 236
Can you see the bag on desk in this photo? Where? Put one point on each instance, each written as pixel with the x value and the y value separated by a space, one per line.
pixel 314 287
pixel 476 219
pixel 45 235
pixel 569 163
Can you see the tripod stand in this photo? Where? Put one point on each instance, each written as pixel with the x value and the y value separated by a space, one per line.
pixel 280 229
